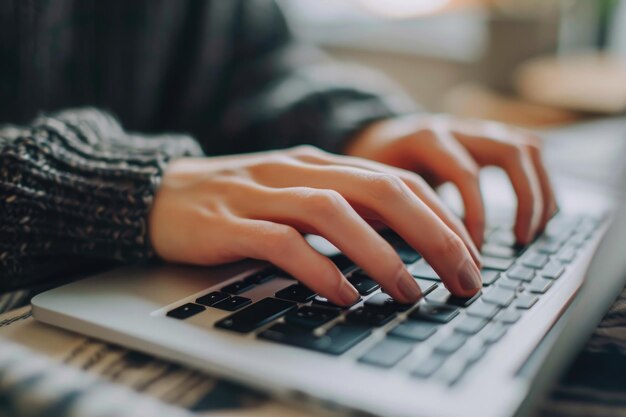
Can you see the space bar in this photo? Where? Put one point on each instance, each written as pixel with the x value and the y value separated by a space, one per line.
pixel 256 315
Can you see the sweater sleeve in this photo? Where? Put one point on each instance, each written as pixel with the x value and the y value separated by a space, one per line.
pixel 76 188
pixel 285 93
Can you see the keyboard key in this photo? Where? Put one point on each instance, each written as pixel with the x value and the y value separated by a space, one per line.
pixel 297 293
pixel 508 316
pixel 427 366
pixel 489 276
pixel 279 273
pixel 387 352
pixel 498 264
pixel 408 254
pixel 578 239
pixel 237 287
pixel 434 312
pixel 289 334
pixel 502 237
pixel 453 370
pixel 548 246
pixel 426 286
pixel 443 296
pixel 311 317
pixel 335 341
pixel 261 277
pixel 539 285
pixel 451 344
pixel 233 303
pixel 421 269
pixel 509 283
pixel 535 260
pixel 567 254
pixel 255 316
pixel 185 311
pixel 404 250
pixel 385 301
pixel 521 273
pixel 414 330
pixel 472 352
pixel 342 262
pixel 363 284
pixel 493 333
pixel 483 310
pixel 470 325
pixel 499 296
pixel 212 298
pixel 343 336
pixel 525 301
pixel 552 270
pixel 561 227
pixel 498 251
pixel 323 301
pixel 370 316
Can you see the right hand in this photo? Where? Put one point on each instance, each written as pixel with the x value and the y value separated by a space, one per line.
pixel 215 210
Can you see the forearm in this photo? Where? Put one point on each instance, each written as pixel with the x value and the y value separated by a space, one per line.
pixel 74 186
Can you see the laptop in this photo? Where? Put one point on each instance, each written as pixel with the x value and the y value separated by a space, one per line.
pixel 494 354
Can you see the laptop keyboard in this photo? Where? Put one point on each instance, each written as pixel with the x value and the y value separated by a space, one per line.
pixel 453 333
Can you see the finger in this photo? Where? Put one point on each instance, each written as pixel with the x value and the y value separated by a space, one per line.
pixel 547 192
pixel 430 197
pixel 328 214
pixel 451 162
pixel 285 247
pixel 517 163
pixel 388 199
pixel 413 181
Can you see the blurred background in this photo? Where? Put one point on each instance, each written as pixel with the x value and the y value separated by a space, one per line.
pixel 533 63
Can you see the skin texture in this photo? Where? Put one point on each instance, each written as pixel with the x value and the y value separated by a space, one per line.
pixel 209 211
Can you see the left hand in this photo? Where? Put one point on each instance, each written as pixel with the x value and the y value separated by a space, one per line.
pixel 444 149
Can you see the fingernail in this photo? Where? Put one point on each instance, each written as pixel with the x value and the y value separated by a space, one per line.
pixel 408 287
pixel 470 276
pixel 348 294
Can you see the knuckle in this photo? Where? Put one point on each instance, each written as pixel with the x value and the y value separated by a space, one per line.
pixel 428 135
pixel 269 164
pixel 387 185
pixel 306 150
pixel 415 180
pixel 282 239
pixel 326 202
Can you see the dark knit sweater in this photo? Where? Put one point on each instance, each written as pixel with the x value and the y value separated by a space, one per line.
pixel 76 187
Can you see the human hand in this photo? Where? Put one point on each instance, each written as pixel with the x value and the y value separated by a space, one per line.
pixel 210 211
pixel 444 149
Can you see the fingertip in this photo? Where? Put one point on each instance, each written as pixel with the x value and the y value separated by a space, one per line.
pixel 469 278
pixel 523 233
pixel 347 295
pixel 408 288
